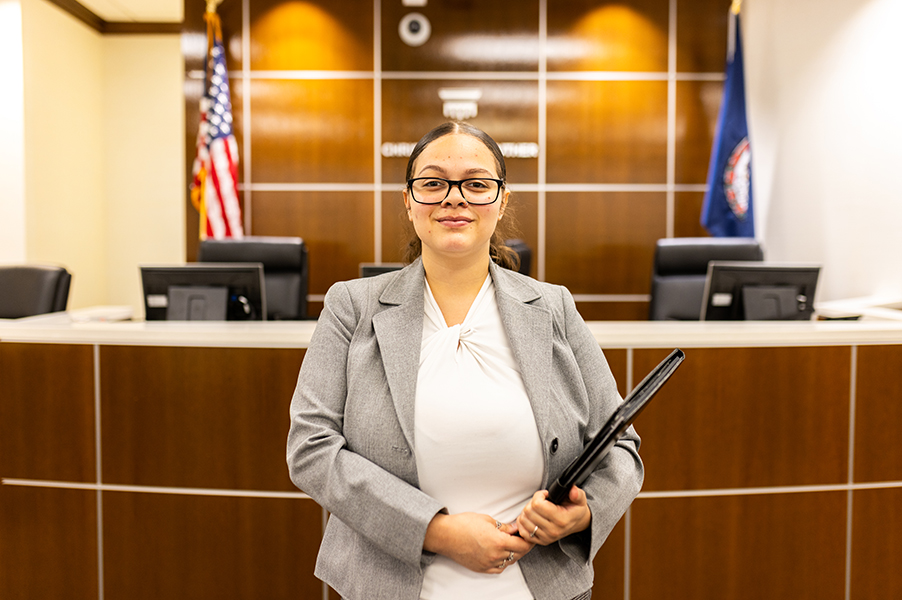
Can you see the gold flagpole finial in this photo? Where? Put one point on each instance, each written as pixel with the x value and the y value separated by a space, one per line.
pixel 734 8
pixel 212 4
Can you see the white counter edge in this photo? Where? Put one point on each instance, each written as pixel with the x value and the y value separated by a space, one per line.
pixel 60 329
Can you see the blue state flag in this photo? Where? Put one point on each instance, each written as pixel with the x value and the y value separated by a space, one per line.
pixel 727 210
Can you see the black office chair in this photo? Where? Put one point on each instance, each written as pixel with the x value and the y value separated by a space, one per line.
pixel 285 269
pixel 523 251
pixel 678 278
pixel 28 290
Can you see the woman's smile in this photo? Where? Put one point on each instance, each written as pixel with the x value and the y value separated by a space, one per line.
pixel 455 221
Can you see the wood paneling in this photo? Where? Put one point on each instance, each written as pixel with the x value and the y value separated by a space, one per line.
pixel 336 226
pixel 209 547
pixel 48 543
pixel 702 35
pixel 876 544
pixel 314 309
pixel 308 131
pixel 523 209
pixel 698 103
pixel 197 417
pixel 739 547
pixel 609 566
pixel 47 412
pixel 305 130
pixel 603 243
pixel 466 36
pixel 617 361
pixel 687 215
pixel 878 414
pixel 607 131
pixel 396 227
pixel 730 418
pixel 748 417
pixel 588 35
pixel 508 111
pixel 311 35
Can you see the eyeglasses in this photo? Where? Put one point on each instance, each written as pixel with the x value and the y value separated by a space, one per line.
pixel 434 190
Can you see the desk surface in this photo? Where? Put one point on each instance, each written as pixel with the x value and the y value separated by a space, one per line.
pixel 62 328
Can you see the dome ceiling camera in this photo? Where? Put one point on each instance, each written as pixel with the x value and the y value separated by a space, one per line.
pixel 414 29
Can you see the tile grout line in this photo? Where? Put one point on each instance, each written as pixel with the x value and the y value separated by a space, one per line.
pixel 241 493
pixel 670 210
pixel 325 519
pixel 98 471
pixel 300 74
pixel 627 550
pixel 152 489
pixel 542 199
pixel 628 542
pixel 377 131
pixel 853 384
pixel 246 112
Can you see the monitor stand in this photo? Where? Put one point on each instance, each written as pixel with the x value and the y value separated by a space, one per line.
pixel 772 303
pixel 197 303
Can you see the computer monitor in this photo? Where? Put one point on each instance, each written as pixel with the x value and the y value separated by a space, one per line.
pixel 759 291
pixel 204 292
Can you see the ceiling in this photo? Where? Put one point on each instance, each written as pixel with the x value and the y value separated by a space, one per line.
pixel 148 11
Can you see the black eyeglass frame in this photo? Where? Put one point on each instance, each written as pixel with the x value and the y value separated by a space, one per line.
pixel 459 183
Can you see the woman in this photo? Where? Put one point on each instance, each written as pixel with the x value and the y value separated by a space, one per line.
pixel 435 405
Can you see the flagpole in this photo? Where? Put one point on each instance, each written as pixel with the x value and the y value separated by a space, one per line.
pixel 731 29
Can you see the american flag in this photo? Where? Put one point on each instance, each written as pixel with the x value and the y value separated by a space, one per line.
pixel 214 190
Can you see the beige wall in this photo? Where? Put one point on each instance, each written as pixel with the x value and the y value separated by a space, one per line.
pixel 104 161
pixel 64 216
pixel 144 161
pixel 12 137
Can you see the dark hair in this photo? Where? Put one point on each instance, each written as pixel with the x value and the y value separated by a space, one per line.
pixel 505 228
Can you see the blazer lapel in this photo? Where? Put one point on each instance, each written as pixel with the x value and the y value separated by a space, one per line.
pixel 399 333
pixel 529 330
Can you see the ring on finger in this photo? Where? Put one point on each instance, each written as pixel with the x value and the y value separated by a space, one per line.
pixel 497 524
pixel 533 534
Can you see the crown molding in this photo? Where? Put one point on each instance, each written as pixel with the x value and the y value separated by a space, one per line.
pixel 86 16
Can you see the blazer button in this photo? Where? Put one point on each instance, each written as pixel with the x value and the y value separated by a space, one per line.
pixel 554 445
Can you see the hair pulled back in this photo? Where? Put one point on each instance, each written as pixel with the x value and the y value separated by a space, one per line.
pixel 505 228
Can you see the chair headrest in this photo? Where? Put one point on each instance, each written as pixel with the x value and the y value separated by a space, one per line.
pixel 32 290
pixel 274 252
pixel 684 256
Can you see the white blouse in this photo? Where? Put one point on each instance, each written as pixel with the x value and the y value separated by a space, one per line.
pixel 477 444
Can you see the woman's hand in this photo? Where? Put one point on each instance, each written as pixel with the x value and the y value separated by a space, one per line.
pixel 544 522
pixel 474 541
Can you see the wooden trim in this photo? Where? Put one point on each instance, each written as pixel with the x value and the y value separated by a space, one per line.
pixel 74 8
pixel 86 16
pixel 135 27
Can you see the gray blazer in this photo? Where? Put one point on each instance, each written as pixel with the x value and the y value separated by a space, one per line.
pixel 351 441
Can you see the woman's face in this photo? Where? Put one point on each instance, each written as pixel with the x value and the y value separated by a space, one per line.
pixel 455 228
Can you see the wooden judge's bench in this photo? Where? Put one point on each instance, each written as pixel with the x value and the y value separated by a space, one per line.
pixel 147 461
